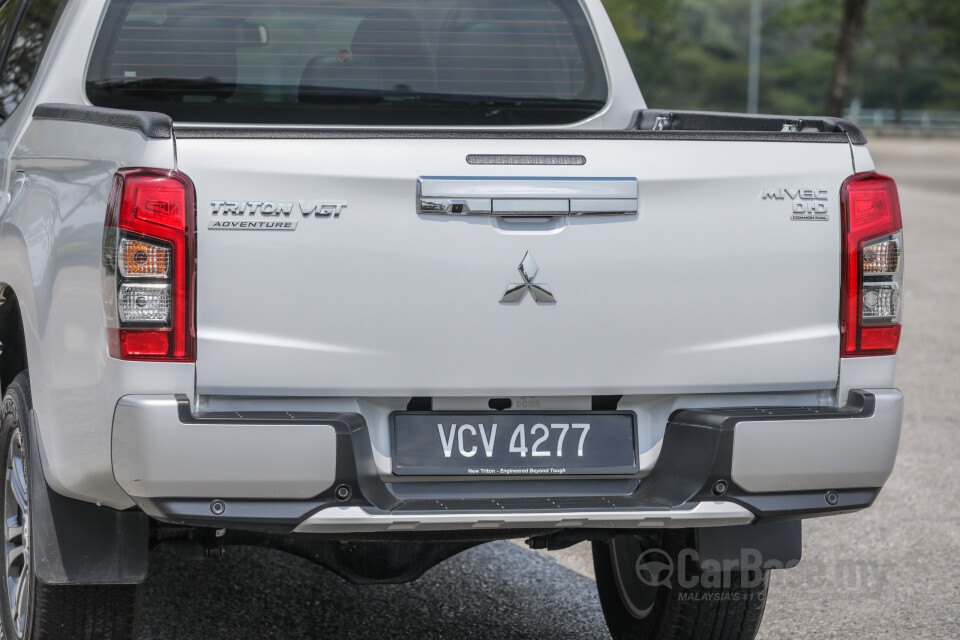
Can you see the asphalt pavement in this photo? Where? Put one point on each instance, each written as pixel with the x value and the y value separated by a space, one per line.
pixel 892 571
pixel 906 548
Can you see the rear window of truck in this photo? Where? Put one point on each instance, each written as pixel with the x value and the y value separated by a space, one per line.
pixel 337 62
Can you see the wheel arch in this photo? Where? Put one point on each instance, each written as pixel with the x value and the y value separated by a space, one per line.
pixel 13 344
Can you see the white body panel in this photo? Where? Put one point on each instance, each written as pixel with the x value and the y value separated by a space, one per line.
pixel 708 288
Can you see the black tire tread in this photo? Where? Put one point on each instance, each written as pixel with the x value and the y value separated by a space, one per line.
pixel 87 612
pixel 700 612
pixel 736 615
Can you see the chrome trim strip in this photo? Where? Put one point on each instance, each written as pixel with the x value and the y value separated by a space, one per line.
pixel 357 519
pixel 531 206
pixel 526 196
pixel 580 206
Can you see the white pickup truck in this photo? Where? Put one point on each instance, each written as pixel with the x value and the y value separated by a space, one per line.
pixel 416 277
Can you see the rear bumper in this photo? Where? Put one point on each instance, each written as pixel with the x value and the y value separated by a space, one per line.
pixel 158 451
pixel 315 472
pixel 838 450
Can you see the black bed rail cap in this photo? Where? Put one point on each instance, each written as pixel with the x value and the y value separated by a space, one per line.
pixel 149 123
pixel 746 123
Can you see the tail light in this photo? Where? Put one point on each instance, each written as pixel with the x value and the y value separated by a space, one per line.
pixel 872 288
pixel 148 266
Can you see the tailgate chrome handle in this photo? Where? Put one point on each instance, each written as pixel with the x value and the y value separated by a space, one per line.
pixel 527 196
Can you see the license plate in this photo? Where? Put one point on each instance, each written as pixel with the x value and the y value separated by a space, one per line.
pixel 514 444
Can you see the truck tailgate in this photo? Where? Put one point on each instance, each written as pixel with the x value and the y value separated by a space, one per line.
pixel 716 284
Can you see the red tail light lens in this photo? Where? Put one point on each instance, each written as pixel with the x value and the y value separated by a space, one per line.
pixel 148 266
pixel 872 287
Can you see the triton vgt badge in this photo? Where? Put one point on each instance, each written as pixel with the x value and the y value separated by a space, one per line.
pixel 806 204
pixel 539 290
pixel 258 215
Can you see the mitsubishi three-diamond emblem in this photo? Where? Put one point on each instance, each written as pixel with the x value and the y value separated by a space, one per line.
pixel 539 290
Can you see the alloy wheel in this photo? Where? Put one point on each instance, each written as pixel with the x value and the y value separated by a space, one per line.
pixel 16 534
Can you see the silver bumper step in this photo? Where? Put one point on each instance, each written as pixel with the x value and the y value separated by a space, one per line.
pixel 358 519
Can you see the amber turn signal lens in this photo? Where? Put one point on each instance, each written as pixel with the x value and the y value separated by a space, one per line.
pixel 140 259
pixel 881 257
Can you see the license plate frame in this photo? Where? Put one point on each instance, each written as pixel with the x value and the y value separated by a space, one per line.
pixel 417 445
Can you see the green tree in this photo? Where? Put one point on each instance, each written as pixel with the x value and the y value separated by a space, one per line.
pixel 911 47
pixel 854 14
pixel 692 54
pixel 686 53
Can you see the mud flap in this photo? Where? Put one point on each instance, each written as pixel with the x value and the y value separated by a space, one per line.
pixel 761 545
pixel 76 542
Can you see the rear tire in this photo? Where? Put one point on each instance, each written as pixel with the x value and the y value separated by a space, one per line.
pixel 643 598
pixel 29 608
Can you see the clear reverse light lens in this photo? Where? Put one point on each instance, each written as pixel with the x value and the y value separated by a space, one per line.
pixel 881 303
pixel 150 303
